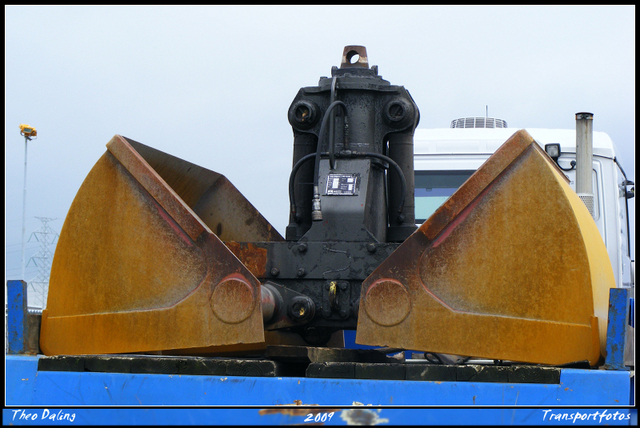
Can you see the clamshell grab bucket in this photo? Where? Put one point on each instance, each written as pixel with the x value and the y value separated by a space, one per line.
pixel 138 266
pixel 510 267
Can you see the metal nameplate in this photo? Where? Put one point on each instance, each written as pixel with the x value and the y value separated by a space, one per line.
pixel 342 184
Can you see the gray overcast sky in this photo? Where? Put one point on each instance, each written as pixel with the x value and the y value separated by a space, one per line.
pixel 212 84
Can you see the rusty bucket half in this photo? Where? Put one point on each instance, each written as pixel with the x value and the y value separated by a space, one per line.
pixel 510 267
pixel 138 266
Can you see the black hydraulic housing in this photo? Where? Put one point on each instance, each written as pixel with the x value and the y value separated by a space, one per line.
pixel 351 193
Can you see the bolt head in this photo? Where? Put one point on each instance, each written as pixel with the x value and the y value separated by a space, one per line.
pixel 301 308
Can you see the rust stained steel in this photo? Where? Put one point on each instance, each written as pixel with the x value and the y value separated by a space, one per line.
pixel 137 269
pixel 510 267
pixel 210 195
pixel 293 410
pixel 349 52
pixel 252 256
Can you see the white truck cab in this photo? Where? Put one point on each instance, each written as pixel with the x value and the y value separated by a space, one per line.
pixel 444 158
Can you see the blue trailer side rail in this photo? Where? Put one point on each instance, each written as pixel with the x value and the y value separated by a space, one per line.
pixel 582 396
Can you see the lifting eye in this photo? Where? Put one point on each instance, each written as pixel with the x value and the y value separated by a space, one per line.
pixel 354 56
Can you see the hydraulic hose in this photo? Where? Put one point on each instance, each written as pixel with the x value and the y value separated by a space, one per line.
pixel 332 98
pixel 296 167
pixel 325 120
pixel 294 171
pixel 403 180
pixel 316 210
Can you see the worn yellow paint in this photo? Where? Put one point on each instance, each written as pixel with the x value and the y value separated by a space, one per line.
pixel 136 269
pixel 511 267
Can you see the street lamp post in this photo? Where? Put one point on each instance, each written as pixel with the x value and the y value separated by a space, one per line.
pixel 27 132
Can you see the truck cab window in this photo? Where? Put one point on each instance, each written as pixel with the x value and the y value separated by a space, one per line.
pixel 432 188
